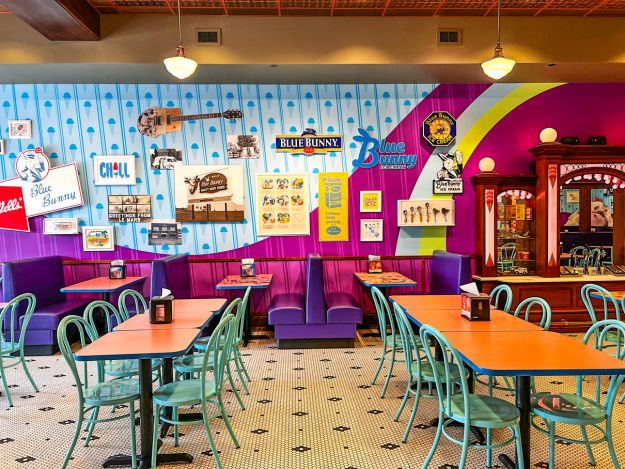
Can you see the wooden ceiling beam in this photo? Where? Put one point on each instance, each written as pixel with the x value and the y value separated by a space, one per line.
pixel 58 20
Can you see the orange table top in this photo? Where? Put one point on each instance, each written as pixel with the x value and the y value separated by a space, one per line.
pixel 450 321
pixel 126 345
pixel 427 301
pixel 236 282
pixel 531 354
pixel 188 314
pixel 101 285
pixel 384 279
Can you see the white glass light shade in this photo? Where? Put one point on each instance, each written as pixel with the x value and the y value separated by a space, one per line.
pixel 180 66
pixel 486 165
pixel 548 135
pixel 498 67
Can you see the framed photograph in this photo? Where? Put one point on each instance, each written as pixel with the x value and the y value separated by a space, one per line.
pixel 60 226
pixel 165 158
pixel 20 129
pixel 243 146
pixel 130 208
pixel 98 238
pixel 372 230
pixel 370 201
pixel 572 196
pixel 162 232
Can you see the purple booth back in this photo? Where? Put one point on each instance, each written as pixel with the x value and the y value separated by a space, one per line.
pixel 315 302
pixel 173 273
pixel 448 271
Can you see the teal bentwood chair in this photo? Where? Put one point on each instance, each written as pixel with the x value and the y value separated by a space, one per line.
pixel 607 302
pixel 578 253
pixel 191 364
pixel 505 257
pixel 391 343
pixel 112 317
pixel 10 344
pixel 585 410
pixel 104 393
pixel 419 369
pixel 202 391
pixel 138 304
pixel 471 410
pixel 496 295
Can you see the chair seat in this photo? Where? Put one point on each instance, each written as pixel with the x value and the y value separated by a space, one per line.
pixel 191 363
pixel 9 347
pixel 116 391
pixel 428 375
pixel 201 343
pixel 126 368
pixel 182 393
pixel 567 408
pixel 484 411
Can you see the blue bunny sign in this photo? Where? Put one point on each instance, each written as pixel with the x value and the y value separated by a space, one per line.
pixel 388 155
pixel 449 178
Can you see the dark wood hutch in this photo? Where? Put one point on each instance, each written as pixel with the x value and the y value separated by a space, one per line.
pixel 557 166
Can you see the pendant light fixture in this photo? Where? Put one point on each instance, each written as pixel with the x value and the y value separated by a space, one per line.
pixel 498 67
pixel 180 66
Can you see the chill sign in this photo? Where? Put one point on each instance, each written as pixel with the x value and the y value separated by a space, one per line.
pixel 114 170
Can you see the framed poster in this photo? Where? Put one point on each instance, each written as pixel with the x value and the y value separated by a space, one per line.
pixel 371 230
pixel 162 232
pixel 282 204
pixel 114 170
pixel 165 158
pixel 333 206
pixel 98 238
pixel 45 189
pixel 20 129
pixel 130 208
pixel 370 201
pixel 209 193
pixel 60 226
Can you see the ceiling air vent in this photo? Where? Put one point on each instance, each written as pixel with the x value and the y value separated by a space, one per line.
pixel 449 37
pixel 208 37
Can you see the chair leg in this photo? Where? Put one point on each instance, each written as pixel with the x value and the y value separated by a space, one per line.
pixel 591 457
pixel 403 402
pixel 489 449
pixel 28 375
pixel 491 380
pixel 622 399
pixel 437 438
pixel 74 439
pixel 608 437
pixel 91 425
pixel 413 413
pixel 233 387
pixel 519 448
pixel 176 427
pixel 157 413
pixel 240 375
pixel 390 370
pixel 465 445
pixel 4 383
pixel 552 441
pixel 133 436
pixel 377 372
pixel 224 415
pixel 238 356
pixel 211 441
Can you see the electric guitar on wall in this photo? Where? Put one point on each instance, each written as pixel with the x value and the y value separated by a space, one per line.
pixel 157 121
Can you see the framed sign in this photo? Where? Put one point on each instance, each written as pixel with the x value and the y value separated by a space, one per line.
pixel 370 201
pixel 45 189
pixel 98 238
pixel 209 193
pixel 114 170
pixel 20 129
pixel 12 211
pixel 282 204
pixel 60 226
pixel 371 230
pixel 130 208
pixel 333 206
pixel 439 129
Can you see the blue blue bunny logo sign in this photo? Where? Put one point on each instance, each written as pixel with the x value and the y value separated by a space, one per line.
pixel 308 143
pixel 388 155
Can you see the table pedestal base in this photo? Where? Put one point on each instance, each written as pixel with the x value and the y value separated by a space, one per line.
pixel 145 462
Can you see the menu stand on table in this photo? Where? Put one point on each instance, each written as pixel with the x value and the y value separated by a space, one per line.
pixel 236 282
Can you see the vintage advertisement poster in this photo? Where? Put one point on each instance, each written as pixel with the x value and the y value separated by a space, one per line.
pixel 282 204
pixel 209 193
pixel 333 207
pixel 130 208
pixel 12 211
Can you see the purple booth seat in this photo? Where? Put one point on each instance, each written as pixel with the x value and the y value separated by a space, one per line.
pixel 43 277
pixel 173 273
pixel 448 271
pixel 314 319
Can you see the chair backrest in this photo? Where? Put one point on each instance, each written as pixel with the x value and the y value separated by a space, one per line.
pixel 10 314
pixel 577 255
pixel 535 302
pixel 173 273
pixel 507 252
pixel 315 298
pixel 87 334
pixel 383 311
pixel 448 271
pixel 137 300
pixel 595 256
pixel 18 277
pixel 412 351
pixel 496 300
pixel 218 356
pixel 599 333
pixel 442 370
pixel 240 316
pixel 111 316
pixel 607 301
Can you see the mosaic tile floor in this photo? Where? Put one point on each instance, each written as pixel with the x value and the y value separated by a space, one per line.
pixel 307 409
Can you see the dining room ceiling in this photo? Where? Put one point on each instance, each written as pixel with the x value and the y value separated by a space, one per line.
pixel 578 8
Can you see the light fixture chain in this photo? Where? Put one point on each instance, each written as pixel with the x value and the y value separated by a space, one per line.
pixel 180 25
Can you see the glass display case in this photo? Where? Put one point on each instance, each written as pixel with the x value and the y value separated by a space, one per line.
pixel 516 233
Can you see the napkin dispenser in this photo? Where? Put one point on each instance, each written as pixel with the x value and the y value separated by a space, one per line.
pixel 248 268
pixel 475 307
pixel 117 270
pixel 374 265
pixel 162 308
